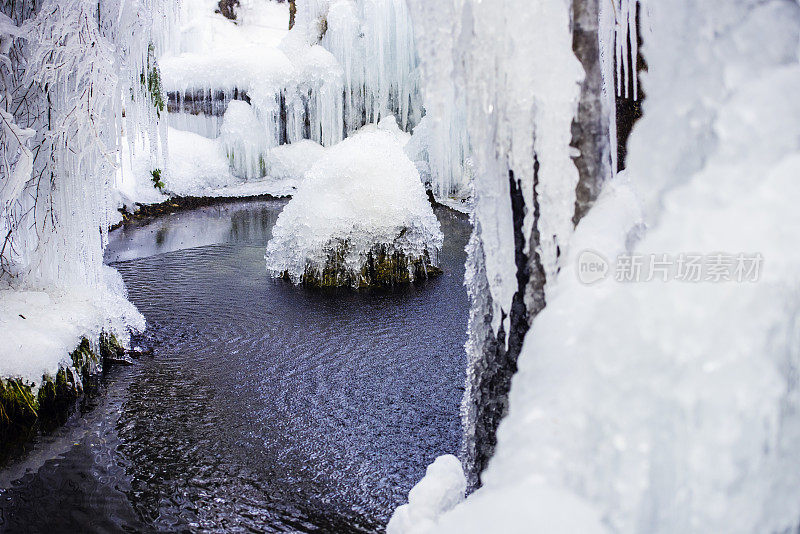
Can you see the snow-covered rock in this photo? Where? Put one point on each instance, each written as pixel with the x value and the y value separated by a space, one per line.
pixel 361 217
pixel 441 489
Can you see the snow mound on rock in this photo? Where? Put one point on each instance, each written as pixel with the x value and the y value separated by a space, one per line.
pixel 442 488
pixel 360 204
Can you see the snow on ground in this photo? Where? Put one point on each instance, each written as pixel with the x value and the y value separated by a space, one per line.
pixel 441 489
pixel 364 191
pixel 41 328
pixel 212 51
pixel 133 178
pixel 199 166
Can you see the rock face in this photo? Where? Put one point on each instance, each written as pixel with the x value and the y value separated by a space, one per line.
pixel 228 8
pixel 386 266
pixel 590 127
pixel 548 192
pixel 493 358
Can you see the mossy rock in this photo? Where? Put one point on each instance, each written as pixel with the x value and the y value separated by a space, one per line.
pixel 18 405
pixel 110 348
pixel 385 267
pixel 57 396
pixel 21 410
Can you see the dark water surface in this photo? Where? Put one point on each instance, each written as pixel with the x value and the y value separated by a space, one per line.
pixel 263 406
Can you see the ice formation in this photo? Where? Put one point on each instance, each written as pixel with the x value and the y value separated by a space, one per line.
pixel 69 69
pixel 243 146
pixel 345 63
pixel 360 217
pixel 669 407
pixel 524 177
pixel 443 134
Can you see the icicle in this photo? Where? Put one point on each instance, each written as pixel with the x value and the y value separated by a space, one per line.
pixel 626 46
pixel 607 43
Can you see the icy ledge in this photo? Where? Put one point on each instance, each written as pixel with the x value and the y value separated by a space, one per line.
pixel 41 328
pixel 360 218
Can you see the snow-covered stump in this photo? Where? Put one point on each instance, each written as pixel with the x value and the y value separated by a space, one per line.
pixel 361 218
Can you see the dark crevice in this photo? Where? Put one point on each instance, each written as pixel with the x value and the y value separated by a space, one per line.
pixel 500 355
pixel 629 110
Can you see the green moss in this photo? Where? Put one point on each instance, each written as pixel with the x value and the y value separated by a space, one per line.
pixel 386 267
pixel 262 165
pixel 110 347
pixel 84 359
pixel 56 396
pixel 20 409
pixel 155 176
pixel 151 80
pixel 18 405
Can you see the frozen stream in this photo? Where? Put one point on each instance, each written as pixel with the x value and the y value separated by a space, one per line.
pixel 263 406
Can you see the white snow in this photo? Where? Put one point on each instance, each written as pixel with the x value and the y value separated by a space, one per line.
pixel 441 489
pixel 199 166
pixel 363 191
pixel 211 51
pixel 291 162
pixel 42 327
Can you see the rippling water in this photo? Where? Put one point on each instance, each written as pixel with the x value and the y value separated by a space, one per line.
pixel 263 406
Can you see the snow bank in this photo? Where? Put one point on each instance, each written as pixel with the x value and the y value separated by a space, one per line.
pixel 361 201
pixel 195 164
pixel 41 328
pixel 201 167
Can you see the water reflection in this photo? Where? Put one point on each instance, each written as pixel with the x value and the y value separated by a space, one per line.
pixel 245 222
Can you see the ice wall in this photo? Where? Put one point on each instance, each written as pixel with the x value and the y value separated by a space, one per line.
pixel 672 407
pixel 344 64
pixel 71 69
pixel 519 91
pixel 74 94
